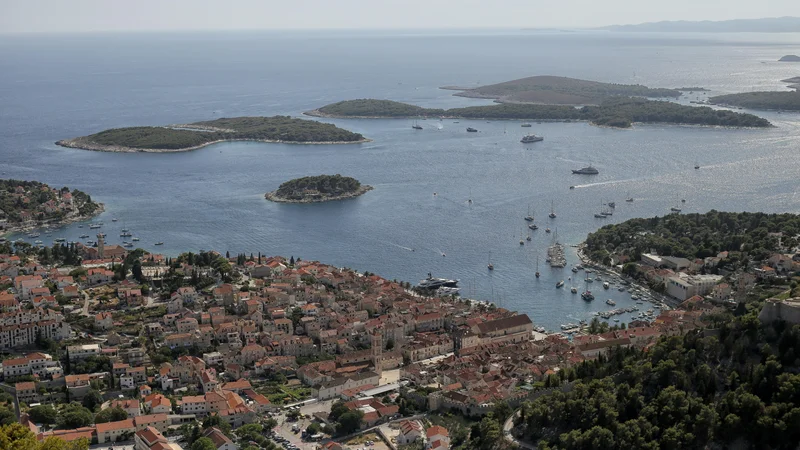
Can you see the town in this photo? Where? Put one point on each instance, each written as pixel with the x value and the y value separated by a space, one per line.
pixel 249 351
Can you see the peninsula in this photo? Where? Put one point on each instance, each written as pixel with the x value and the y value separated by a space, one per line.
pixel 552 90
pixel 321 188
pixel 790 58
pixel 180 138
pixel 27 204
pixel 773 100
pixel 619 112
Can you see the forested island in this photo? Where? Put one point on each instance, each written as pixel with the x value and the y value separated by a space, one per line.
pixel 618 112
pixel 776 100
pixel 734 382
pixel 790 58
pixel 321 188
pixel 552 90
pixel 185 137
pixel 24 204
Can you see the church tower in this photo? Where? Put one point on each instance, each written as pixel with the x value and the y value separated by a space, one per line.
pixel 377 351
pixel 100 245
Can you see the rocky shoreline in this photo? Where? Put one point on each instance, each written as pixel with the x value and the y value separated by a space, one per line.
pixel 101 207
pixel 84 144
pixel 273 197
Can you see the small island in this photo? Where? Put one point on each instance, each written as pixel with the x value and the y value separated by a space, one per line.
pixel 28 204
pixel 186 137
pixel 616 112
pixel 790 58
pixel 552 90
pixel 321 188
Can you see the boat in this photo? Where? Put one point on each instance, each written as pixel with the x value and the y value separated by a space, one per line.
pixel 600 216
pixel 588 170
pixel 521 242
pixel 589 280
pixel 80 226
pixel 33 235
pixel 525 125
pixel 621 289
pixel 446 291
pixel 533 226
pixel 114 219
pixel 435 283
pixel 572 187
pixel 696 165
pixel 629 199
pixel 528 238
pixel 606 285
pixel 560 284
pixel 94 226
pixel 135 239
pixel 125 234
pixel 159 243
pixel 490 266
pixel 587 295
pixel 529 138
pixel 124 230
pixel 529 217
pixel 128 244
pixel 37 242
pixel 573 289
pixel 611 302
pixel 575 270
pixel 60 240
pixel 675 209
pixel 547 230
pixel 84 236
pixel 471 130
pixel 416 126
pixel 537 267
pixel 612 205
pixel 552 214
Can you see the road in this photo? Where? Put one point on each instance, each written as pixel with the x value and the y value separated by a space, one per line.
pixel 507 426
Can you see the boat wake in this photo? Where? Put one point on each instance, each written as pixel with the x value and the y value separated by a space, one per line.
pixel 400 246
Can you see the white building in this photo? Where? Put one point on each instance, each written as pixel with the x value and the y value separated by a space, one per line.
pixel 78 352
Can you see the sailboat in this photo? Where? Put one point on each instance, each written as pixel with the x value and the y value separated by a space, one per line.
pixel 529 237
pixel 529 217
pixel 629 199
pixel 537 267
pixel 676 208
pixel 572 287
pixel 490 266
pixel 416 126
pixel 552 214
pixel 696 165
pixel 587 294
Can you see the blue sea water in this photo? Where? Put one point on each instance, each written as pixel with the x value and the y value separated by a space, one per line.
pixel 61 86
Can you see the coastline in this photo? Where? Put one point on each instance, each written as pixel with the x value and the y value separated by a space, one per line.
pixel 83 144
pixel 318 113
pixel 101 207
pixel 363 189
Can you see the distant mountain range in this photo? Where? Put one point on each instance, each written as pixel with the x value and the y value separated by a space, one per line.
pixel 768 25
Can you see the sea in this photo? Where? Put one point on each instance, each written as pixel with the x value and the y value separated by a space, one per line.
pixel 419 218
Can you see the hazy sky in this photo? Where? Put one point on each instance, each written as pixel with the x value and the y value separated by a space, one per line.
pixel 102 15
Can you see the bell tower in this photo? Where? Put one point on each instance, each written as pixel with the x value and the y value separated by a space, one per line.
pixel 100 245
pixel 377 351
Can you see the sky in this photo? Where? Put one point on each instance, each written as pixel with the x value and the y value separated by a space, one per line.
pixel 176 15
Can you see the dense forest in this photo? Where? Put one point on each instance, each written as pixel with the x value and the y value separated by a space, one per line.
pixel 563 90
pixel 40 201
pixel 324 185
pixel 747 235
pixel 617 112
pixel 786 101
pixel 738 387
pixel 277 128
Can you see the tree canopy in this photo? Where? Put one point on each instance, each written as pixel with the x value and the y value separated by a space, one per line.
pixel 321 185
pixel 277 128
pixel 16 437
pixel 781 100
pixel 740 387
pixel 696 235
pixel 618 112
